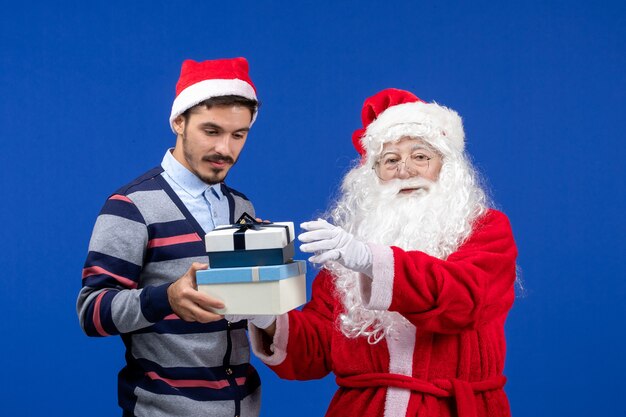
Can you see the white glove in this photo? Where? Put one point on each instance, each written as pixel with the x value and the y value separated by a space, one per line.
pixel 332 243
pixel 261 321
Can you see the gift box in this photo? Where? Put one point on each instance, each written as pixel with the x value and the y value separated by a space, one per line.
pixel 273 289
pixel 250 244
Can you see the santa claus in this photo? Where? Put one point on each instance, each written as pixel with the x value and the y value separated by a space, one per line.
pixel 418 276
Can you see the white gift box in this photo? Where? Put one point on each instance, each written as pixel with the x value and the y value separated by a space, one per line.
pixel 250 245
pixel 273 289
pixel 268 236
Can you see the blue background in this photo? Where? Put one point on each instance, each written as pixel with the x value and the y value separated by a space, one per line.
pixel 86 90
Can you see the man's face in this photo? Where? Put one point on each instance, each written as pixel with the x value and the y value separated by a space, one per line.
pixel 210 140
pixel 408 158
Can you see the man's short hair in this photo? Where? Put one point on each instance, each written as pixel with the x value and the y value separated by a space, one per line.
pixel 224 101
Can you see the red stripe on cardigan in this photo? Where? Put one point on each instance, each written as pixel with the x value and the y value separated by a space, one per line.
pixel 97 270
pixel 195 383
pixel 174 240
pixel 121 198
pixel 96 315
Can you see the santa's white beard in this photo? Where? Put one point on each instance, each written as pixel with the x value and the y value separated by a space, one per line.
pixel 435 219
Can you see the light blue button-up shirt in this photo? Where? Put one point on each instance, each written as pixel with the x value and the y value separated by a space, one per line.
pixel 205 202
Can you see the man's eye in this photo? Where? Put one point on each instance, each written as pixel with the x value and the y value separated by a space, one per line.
pixel 211 132
pixel 239 135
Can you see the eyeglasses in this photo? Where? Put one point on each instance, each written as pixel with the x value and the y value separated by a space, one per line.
pixel 389 164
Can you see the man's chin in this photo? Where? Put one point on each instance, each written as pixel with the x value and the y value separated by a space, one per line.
pixel 214 177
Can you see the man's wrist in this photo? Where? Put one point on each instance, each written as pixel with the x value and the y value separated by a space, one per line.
pixel 155 302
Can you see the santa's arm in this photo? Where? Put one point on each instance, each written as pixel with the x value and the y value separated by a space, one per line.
pixel 473 286
pixel 300 346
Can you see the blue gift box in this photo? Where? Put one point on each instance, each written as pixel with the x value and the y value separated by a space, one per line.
pixel 251 274
pixel 273 289
pixel 251 257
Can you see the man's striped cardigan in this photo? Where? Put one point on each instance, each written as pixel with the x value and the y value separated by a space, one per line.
pixel 143 240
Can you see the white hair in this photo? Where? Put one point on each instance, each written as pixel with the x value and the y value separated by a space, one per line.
pixel 436 220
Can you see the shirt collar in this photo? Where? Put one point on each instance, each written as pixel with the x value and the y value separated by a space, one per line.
pixel 186 179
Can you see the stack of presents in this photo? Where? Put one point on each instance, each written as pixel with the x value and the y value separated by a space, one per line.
pixel 251 268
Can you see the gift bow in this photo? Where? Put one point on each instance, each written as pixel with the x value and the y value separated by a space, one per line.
pixel 247 222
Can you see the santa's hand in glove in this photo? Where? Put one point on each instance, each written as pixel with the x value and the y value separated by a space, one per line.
pixel 332 243
pixel 260 321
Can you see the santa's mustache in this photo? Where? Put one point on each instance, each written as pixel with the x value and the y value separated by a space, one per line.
pixel 218 158
pixel 396 185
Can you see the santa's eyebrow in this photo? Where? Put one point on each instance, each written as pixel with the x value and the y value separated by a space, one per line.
pixel 416 147
pixel 388 151
pixel 421 146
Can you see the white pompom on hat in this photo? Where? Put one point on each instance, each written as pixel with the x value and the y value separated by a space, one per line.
pixel 392 114
pixel 200 81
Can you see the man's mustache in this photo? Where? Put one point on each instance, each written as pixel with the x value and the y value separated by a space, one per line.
pixel 218 158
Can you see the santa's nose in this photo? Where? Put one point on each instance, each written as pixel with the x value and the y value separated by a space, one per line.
pixel 403 173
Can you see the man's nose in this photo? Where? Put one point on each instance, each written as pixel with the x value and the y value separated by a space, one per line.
pixel 222 144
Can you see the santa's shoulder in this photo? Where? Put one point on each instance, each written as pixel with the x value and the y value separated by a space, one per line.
pixel 492 219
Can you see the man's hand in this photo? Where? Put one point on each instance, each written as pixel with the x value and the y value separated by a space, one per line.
pixel 332 243
pixel 188 303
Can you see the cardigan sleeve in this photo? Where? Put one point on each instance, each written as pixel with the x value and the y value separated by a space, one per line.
pixel 472 286
pixel 110 301
pixel 300 348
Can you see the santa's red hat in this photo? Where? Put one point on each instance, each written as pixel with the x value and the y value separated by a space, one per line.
pixel 203 80
pixel 392 114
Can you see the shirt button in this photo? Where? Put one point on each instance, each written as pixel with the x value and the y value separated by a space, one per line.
pixel 229 371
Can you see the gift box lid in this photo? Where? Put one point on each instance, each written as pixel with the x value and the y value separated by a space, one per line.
pixel 251 273
pixel 249 237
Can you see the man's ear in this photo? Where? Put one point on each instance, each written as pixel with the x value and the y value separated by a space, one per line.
pixel 179 124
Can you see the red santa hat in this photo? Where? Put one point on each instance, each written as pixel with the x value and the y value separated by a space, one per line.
pixel 392 114
pixel 202 80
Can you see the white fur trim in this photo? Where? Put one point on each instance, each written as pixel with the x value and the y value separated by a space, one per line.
pixel 438 125
pixel 206 89
pixel 279 347
pixel 401 347
pixel 376 292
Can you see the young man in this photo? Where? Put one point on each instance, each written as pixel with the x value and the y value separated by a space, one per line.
pixel 419 277
pixel 148 243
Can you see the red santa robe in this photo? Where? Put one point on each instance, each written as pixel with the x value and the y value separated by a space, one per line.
pixel 447 362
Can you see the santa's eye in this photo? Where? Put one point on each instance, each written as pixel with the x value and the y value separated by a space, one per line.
pixel 419 157
pixel 390 160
